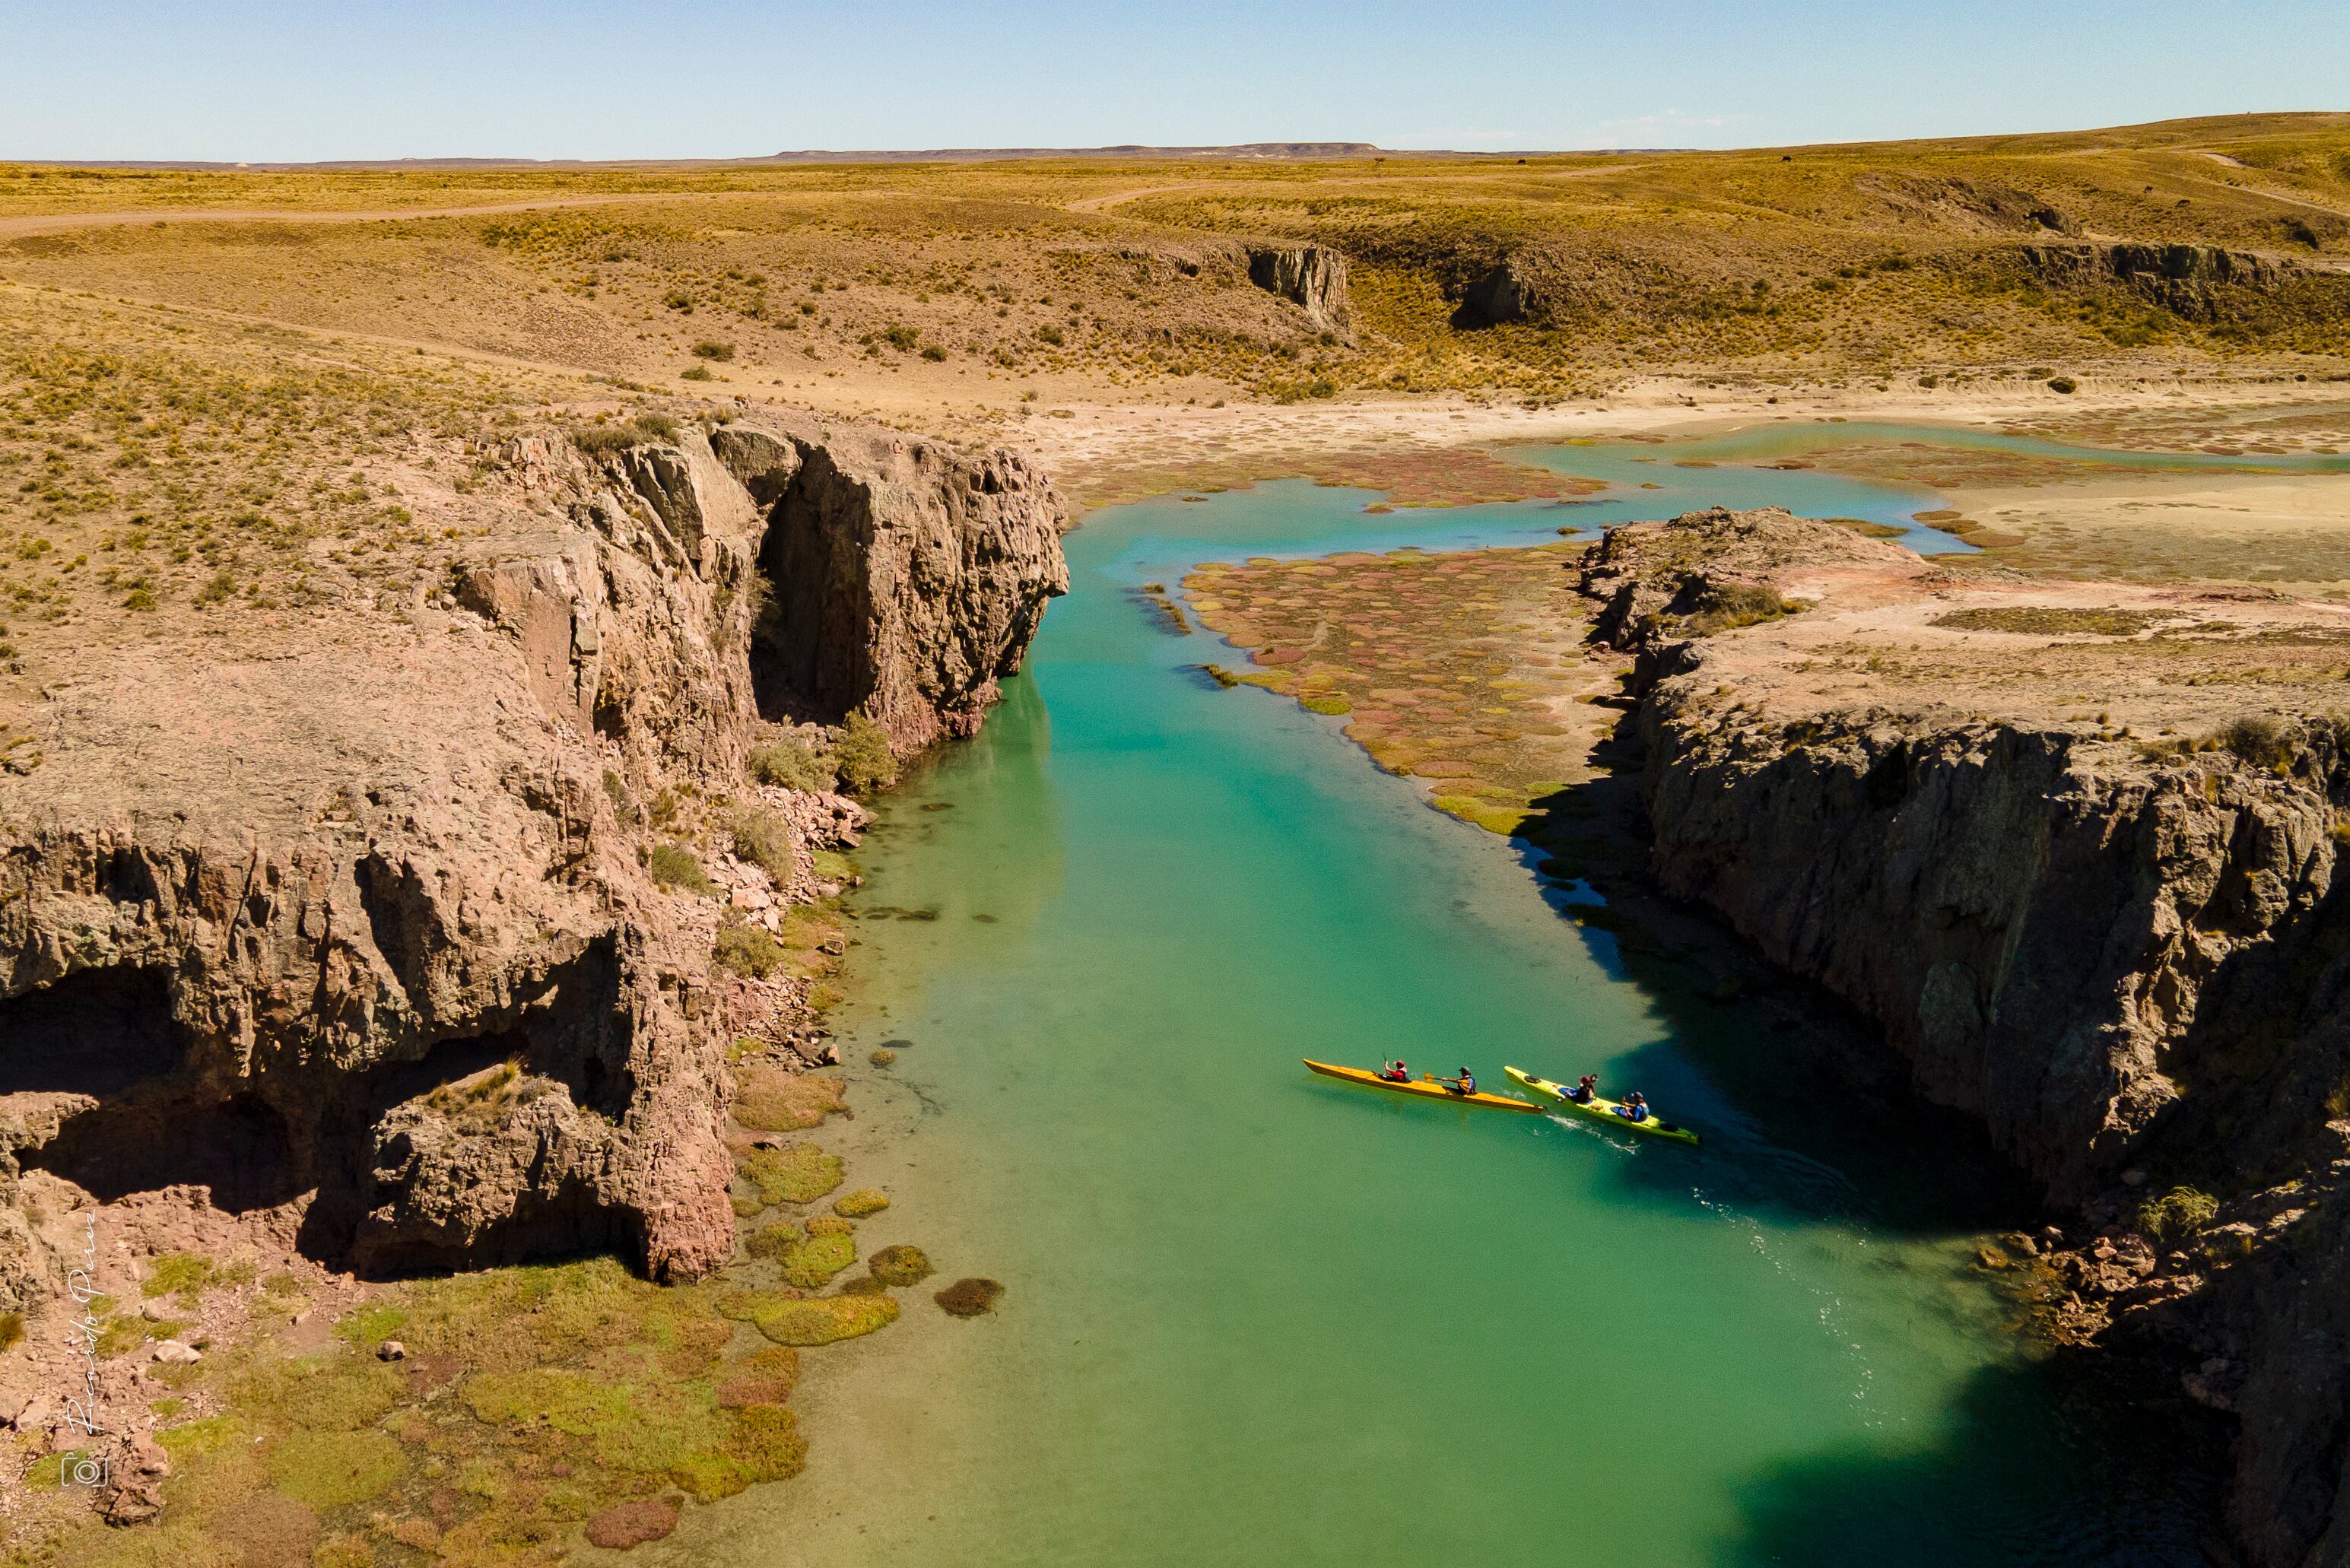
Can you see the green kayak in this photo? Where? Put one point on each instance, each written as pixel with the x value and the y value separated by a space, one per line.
pixel 1599 1110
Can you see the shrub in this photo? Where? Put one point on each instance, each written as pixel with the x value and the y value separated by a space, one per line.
pixel 2178 1214
pixel 673 865
pixel 2062 384
pixel 223 584
pixel 1048 333
pixel 933 353
pixel 765 839
pixel 12 1330
pixel 710 348
pixel 748 950
pixel 695 373
pixel 862 754
pixel 139 599
pixel 1725 607
pixel 679 299
pixel 900 338
pixel 2260 739
pixel 791 763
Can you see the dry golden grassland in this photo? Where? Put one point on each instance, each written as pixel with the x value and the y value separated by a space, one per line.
pixel 1008 287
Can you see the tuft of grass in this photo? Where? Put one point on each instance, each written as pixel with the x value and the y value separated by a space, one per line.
pixel 1725 607
pixel 696 373
pixel 178 1274
pixel 12 1330
pixel 856 1205
pixel 2178 1214
pixel 710 348
pixel 2050 620
pixel 674 865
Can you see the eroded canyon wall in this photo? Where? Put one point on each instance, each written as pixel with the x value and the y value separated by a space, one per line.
pixel 342 924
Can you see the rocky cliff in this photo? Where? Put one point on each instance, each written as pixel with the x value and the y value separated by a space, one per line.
pixel 344 927
pixel 2128 954
pixel 1311 277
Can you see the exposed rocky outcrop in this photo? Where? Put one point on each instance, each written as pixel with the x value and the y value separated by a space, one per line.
pixel 905 580
pixel 345 929
pixel 1502 293
pixel 1311 276
pixel 2131 961
pixel 2199 283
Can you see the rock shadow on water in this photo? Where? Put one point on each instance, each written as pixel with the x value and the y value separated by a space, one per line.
pixel 2043 1462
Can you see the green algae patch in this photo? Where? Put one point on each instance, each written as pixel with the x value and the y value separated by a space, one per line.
pixel 772 1241
pixel 856 1205
pixel 899 1265
pixel 795 1173
pixel 812 1263
pixel 827 1319
pixel 768 1099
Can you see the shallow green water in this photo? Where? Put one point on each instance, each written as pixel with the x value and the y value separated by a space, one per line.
pixel 1257 1317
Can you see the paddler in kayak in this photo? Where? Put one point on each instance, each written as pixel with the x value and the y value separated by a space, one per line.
pixel 1585 1090
pixel 1395 1071
pixel 1466 1083
pixel 1636 1107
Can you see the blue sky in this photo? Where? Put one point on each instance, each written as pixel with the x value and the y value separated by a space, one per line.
pixel 349 78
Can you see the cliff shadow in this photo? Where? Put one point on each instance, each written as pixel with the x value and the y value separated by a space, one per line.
pixel 141 1118
pixel 2043 1462
pixel 1824 1123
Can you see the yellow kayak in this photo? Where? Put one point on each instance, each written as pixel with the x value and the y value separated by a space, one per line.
pixel 1606 1111
pixel 1426 1088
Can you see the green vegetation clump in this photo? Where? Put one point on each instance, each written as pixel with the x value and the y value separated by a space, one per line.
pixel 790 763
pixel 674 865
pixel 2051 620
pixel 812 1262
pixel 2177 1215
pixel 862 754
pixel 748 950
pixel 1725 607
pixel 773 1240
pixel 2260 739
pixel 856 1205
pixel 795 1173
pixel 12 1330
pixel 768 1099
pixel 178 1274
pixel 899 1265
pixel 825 1320
pixel 765 839
pixel 710 348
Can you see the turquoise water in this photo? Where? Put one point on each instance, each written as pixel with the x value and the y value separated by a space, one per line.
pixel 1253 1316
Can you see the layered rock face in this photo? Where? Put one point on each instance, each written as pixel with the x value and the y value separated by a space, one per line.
pixel 346 930
pixel 2199 283
pixel 1313 276
pixel 906 580
pixel 2132 962
pixel 1502 293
